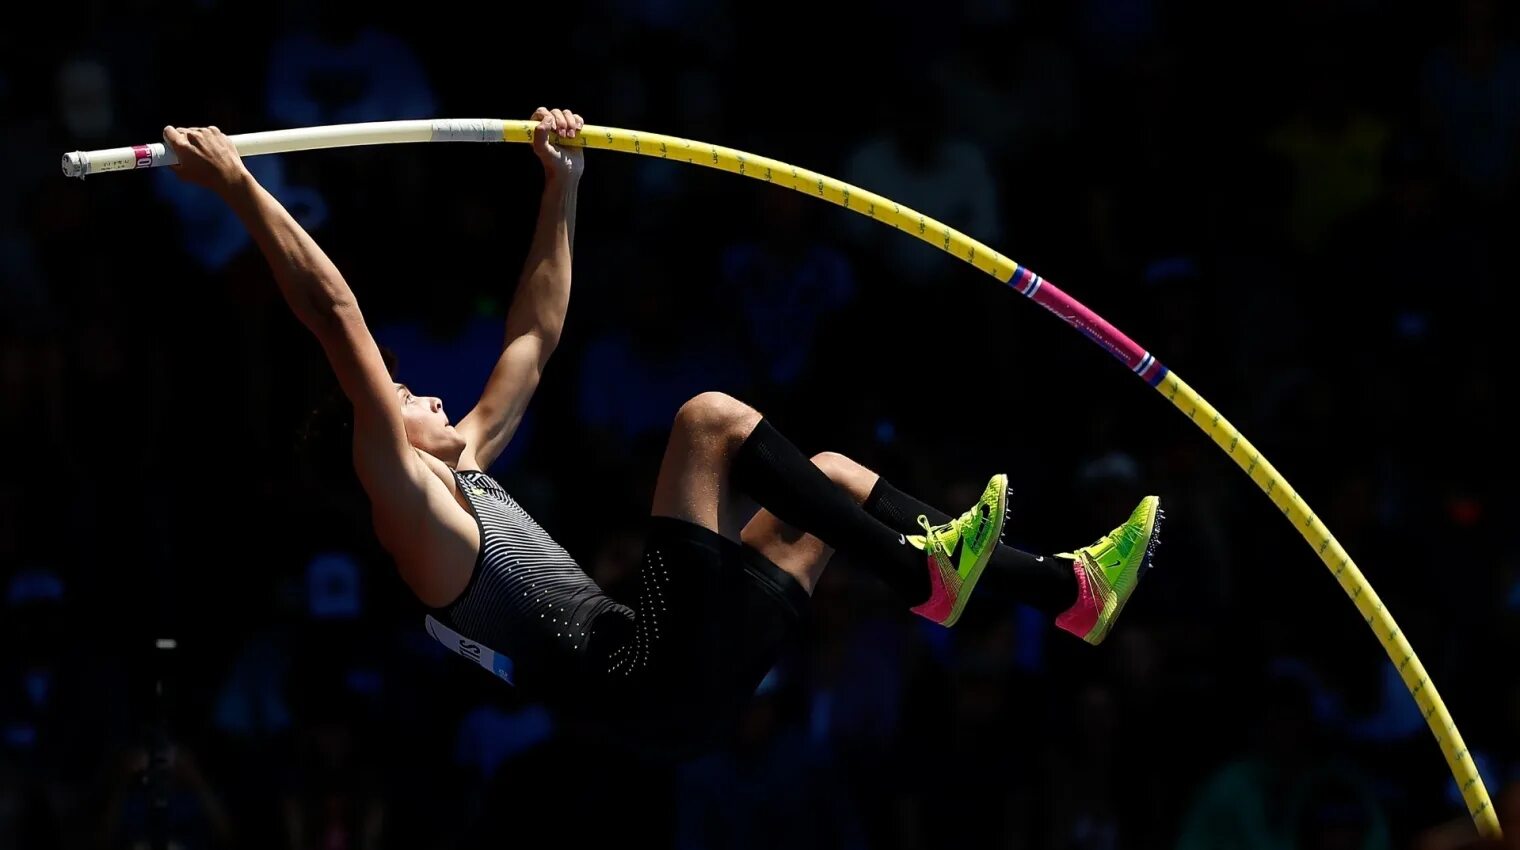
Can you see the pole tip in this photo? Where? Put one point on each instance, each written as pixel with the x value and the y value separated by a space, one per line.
pixel 73 164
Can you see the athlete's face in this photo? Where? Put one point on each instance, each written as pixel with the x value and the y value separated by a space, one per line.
pixel 427 426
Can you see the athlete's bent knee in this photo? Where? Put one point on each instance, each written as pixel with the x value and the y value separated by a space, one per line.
pixel 716 416
pixel 846 473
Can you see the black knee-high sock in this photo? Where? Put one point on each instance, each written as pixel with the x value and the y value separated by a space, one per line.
pixel 777 475
pixel 1046 583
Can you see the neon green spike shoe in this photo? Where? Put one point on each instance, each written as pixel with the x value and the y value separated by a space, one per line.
pixel 1109 570
pixel 959 551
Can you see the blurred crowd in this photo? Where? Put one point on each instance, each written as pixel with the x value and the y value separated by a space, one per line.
pixel 1306 209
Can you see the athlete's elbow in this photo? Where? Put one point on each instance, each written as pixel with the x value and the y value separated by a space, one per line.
pixel 544 338
pixel 323 314
pixel 548 341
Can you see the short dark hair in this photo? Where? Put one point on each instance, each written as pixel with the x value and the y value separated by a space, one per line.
pixel 324 442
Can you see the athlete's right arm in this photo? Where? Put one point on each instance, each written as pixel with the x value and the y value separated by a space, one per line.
pixel 390 470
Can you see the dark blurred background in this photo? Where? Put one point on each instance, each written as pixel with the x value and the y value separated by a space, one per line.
pixel 1305 208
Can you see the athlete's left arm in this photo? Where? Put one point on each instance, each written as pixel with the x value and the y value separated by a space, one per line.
pixel 537 314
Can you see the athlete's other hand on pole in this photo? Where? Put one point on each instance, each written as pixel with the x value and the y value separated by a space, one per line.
pixel 560 162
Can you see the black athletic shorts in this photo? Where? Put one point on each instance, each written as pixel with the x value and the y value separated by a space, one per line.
pixel 713 618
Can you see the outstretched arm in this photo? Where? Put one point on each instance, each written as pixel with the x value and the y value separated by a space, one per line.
pixel 537 314
pixel 319 296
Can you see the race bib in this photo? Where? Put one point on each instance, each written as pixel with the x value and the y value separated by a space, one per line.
pixel 486 657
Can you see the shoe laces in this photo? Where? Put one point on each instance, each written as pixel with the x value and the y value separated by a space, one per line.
pixel 1088 550
pixel 934 534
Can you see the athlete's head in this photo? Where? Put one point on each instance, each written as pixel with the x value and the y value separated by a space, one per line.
pixel 327 438
pixel 427 426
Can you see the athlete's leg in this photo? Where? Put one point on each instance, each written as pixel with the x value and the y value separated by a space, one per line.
pixel 800 554
pixel 1046 583
pixel 1084 591
pixel 694 480
pixel 721 447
